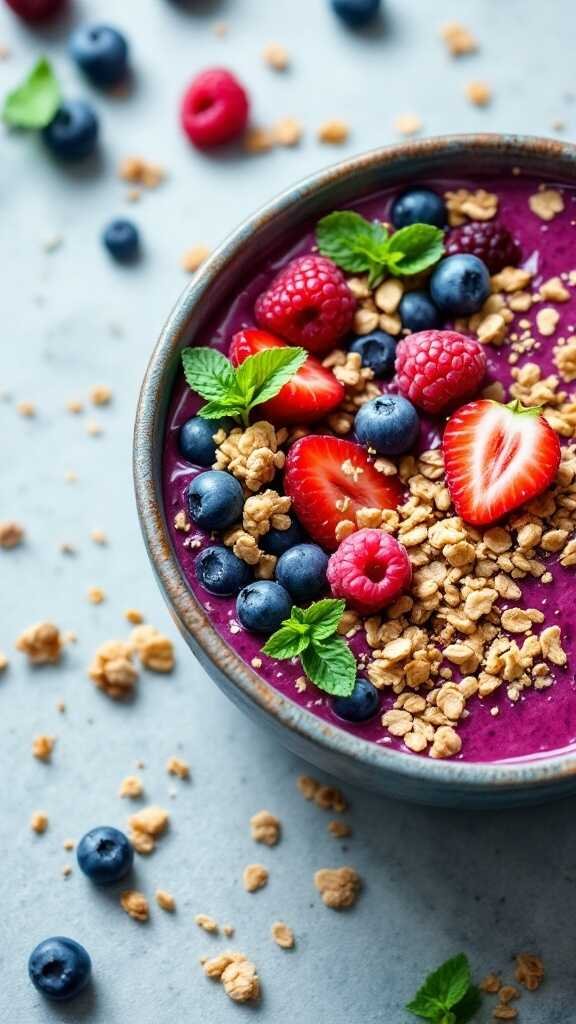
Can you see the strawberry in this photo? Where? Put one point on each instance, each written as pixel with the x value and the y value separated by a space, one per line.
pixel 497 457
pixel 311 394
pixel 329 480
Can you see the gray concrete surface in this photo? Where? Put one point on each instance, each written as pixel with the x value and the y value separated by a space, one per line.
pixel 435 882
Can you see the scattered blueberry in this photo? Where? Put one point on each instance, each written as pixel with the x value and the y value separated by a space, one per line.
pixel 276 542
pixel 302 570
pixel 356 12
pixel 196 439
pixel 215 499
pixel 377 352
pixel 389 424
pixel 262 606
pixel 362 703
pixel 102 53
pixel 105 855
pixel 220 572
pixel 460 285
pixel 418 312
pixel 418 206
pixel 59 968
pixel 73 132
pixel 122 240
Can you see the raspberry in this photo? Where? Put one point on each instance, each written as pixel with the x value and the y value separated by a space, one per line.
pixel 369 569
pixel 308 303
pixel 214 108
pixel 438 369
pixel 489 240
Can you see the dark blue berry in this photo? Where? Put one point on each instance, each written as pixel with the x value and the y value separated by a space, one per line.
pixel 460 285
pixel 59 968
pixel 105 855
pixel 389 424
pixel 73 132
pixel 122 240
pixel 262 606
pixel 418 206
pixel 221 572
pixel 215 499
pixel 276 542
pixel 377 351
pixel 102 53
pixel 362 703
pixel 356 12
pixel 196 439
pixel 418 312
pixel 302 570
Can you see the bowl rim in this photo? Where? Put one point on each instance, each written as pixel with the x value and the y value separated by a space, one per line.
pixel 211 649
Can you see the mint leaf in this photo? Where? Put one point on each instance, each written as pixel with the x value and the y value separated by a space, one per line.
pixel 309 632
pixel 216 410
pixel 442 991
pixel 353 243
pixel 331 665
pixel 286 643
pixel 414 248
pixel 208 372
pixel 34 103
pixel 262 375
pixel 468 1007
pixel 323 617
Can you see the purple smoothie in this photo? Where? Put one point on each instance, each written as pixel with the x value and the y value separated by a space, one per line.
pixel 541 721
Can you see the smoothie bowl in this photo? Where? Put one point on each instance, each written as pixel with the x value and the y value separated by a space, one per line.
pixel 356 473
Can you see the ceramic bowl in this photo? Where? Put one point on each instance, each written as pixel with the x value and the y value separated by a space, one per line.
pixel 391 772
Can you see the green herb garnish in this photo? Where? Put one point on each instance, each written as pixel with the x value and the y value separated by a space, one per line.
pixel 362 246
pixel 34 103
pixel 309 635
pixel 448 995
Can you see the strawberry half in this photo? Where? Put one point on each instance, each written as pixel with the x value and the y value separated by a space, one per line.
pixel 312 393
pixel 329 480
pixel 497 457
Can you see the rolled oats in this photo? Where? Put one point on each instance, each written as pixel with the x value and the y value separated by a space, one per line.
pixel 283 935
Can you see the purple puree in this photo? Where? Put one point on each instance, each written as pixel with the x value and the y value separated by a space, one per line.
pixel 541 721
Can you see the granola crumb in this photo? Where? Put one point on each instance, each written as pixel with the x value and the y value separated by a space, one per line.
pixel 11 534
pixel 165 900
pixel 254 877
pixel 276 56
pixel 98 537
pixel 529 971
pixel 137 171
pixel 339 887
pixel 93 428
pixel 287 131
pixel 408 124
pixel 100 395
pixel 3 662
pixel 133 616
pixel 39 822
pixel 181 523
pixel 176 766
pixel 237 974
pixel 207 923
pixel 265 828
pixel 96 595
pixel 66 871
pixel 194 258
pixel 156 651
pixel 339 829
pixel 258 140
pixel 146 826
pixel 26 409
pixel 546 203
pixel 135 904
pixel 459 40
pixel 283 935
pixel 69 844
pixel 479 94
pixel 42 747
pixel 131 787
pixel 228 930
pixel 113 671
pixel 491 983
pixel 334 132
pixel 41 643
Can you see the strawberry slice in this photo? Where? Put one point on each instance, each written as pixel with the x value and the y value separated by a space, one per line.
pixel 312 393
pixel 497 457
pixel 329 480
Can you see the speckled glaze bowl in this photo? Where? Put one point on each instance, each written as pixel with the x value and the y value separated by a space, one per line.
pixel 391 772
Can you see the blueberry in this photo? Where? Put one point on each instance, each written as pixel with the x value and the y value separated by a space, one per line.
pixel 356 12
pixel 122 240
pixel 460 285
pixel 262 606
pixel 196 439
pixel 362 703
pixel 73 132
pixel 276 542
pixel 418 206
pixel 418 312
pixel 389 424
pixel 59 968
pixel 220 572
pixel 105 855
pixel 377 351
pixel 302 570
pixel 215 499
pixel 102 53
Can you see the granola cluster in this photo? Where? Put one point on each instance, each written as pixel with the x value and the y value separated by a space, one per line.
pixel 378 308
pixel 237 974
pixel 358 384
pixel 41 643
pixel 261 513
pixel 338 887
pixel 146 826
pixel 113 670
pixel 253 454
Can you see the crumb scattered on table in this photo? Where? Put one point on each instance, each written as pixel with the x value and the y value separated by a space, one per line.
pixel 135 904
pixel 254 877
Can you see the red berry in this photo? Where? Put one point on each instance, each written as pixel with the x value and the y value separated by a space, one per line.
pixel 214 108
pixel 308 303
pixel 35 10
pixel 490 241
pixel 437 369
pixel 369 569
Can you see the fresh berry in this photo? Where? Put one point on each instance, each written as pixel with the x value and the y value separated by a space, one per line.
pixel 59 968
pixel 220 572
pixel 489 240
pixel 369 570
pixel 105 855
pixel 497 457
pixel 362 704
pixel 214 108
pixel 262 606
pixel 377 351
pixel 329 480
pixel 302 571
pixel 308 303
pixel 388 424
pixel 356 12
pixel 36 10
pixel 122 240
pixel 196 439
pixel 438 369
pixel 418 206
pixel 276 542
pixel 418 312
pixel 460 285
pixel 215 499
pixel 102 53
pixel 73 133
pixel 312 393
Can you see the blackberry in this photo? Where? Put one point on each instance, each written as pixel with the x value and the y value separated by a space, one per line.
pixel 490 241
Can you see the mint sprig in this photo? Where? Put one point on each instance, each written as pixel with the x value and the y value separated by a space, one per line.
pixel 447 995
pixel 34 103
pixel 309 635
pixel 362 246
pixel 231 391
